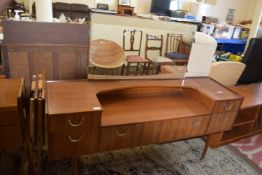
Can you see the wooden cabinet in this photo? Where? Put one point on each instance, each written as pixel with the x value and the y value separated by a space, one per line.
pixel 60 49
pixel 11 135
pixel 73 134
pixel 247 120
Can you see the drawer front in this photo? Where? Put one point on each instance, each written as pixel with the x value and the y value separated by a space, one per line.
pixel 9 117
pixel 183 128
pixel 61 146
pixel 221 121
pixel 225 106
pixel 117 137
pixel 11 137
pixel 78 132
pixel 62 123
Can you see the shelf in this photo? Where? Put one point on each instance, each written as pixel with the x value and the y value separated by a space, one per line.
pixel 237 132
pixel 246 116
pixel 136 105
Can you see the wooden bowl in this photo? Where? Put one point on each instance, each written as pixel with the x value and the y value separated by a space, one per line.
pixel 106 54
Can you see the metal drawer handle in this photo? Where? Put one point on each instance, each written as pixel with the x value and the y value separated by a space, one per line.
pixel 122 134
pixel 76 140
pixel 228 106
pixel 196 122
pixel 77 124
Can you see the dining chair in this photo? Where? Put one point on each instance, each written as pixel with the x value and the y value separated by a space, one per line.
pixel 174 48
pixel 132 42
pixel 106 54
pixel 154 43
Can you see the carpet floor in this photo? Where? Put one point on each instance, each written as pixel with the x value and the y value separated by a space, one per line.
pixel 177 158
pixel 252 148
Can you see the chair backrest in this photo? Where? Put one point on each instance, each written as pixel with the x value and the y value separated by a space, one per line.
pixel 173 42
pixel 106 54
pixel 226 72
pixel 201 55
pixel 131 35
pixel 151 40
pixel 252 73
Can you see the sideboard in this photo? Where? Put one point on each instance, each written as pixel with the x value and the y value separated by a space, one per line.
pixel 86 117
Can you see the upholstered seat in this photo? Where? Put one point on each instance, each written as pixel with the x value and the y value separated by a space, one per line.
pixel 136 59
pixel 226 72
pixel 161 60
pixel 176 55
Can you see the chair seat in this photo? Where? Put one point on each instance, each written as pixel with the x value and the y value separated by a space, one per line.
pixel 175 55
pixel 161 60
pixel 136 59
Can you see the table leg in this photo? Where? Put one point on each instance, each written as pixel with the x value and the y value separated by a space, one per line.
pixel 75 165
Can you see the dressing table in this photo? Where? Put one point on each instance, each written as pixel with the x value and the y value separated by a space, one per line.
pixel 85 117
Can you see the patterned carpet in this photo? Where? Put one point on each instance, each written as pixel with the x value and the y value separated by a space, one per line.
pixel 177 158
pixel 252 148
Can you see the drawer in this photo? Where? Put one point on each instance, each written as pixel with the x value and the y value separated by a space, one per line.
pixel 62 146
pixel 117 137
pixel 183 128
pixel 224 106
pixel 9 117
pixel 11 137
pixel 221 121
pixel 62 123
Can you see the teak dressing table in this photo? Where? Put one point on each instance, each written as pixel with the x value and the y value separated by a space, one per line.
pixel 86 117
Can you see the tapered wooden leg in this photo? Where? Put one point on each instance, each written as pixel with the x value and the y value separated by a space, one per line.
pixel 204 151
pixel 122 69
pixel 137 66
pixel 75 165
pixel 127 68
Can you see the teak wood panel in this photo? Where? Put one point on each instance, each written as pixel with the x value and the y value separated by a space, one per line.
pixel 117 137
pixel 222 121
pixel 148 104
pixel 9 117
pixel 230 105
pixel 124 136
pixel 60 63
pixel 73 134
pixel 11 137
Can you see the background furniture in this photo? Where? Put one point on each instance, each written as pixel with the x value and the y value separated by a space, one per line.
pixel 234 46
pixel 31 46
pixel 125 10
pixel 106 54
pixel 174 48
pixel 134 38
pixel 72 11
pixel 226 72
pixel 91 119
pixel 201 55
pixel 11 122
pixel 248 121
pixel 13 131
pixel 155 44
pixel 253 61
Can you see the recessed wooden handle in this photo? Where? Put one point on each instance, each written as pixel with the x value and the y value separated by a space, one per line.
pixel 121 134
pixel 77 124
pixel 196 122
pixel 228 106
pixel 76 140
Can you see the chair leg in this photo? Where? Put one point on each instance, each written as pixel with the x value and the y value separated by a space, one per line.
pixel 94 70
pixel 112 71
pixel 127 69
pixel 137 66
pixel 122 69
